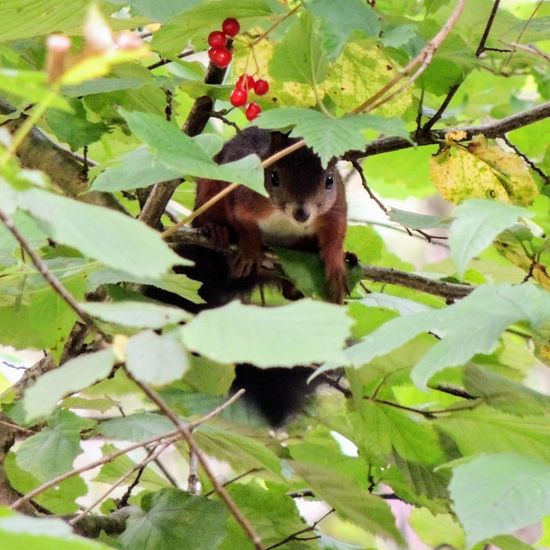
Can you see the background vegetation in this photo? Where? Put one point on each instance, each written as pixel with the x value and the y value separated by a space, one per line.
pixel 437 405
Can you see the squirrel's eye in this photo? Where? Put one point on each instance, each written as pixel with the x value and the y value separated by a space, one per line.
pixel 274 178
pixel 329 182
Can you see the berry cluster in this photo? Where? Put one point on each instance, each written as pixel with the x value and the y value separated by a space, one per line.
pixel 239 96
pixel 221 56
pixel 217 40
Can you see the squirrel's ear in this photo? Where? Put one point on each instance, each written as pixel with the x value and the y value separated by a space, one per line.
pixel 278 141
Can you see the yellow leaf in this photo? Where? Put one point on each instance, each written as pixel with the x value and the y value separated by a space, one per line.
pixel 459 175
pixel 358 73
pixel 511 170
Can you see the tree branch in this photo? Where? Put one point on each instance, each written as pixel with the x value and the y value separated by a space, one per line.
pixel 434 137
pixel 450 291
pixel 169 437
pixel 185 433
pixel 196 121
pixel 423 59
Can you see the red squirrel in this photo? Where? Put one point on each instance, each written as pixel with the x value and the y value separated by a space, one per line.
pixel 305 208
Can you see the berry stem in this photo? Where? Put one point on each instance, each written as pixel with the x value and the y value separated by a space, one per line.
pixel 274 26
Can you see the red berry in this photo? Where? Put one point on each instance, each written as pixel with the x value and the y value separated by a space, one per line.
pixel 245 81
pixel 221 57
pixel 252 111
pixel 238 97
pixel 261 86
pixel 217 39
pixel 231 26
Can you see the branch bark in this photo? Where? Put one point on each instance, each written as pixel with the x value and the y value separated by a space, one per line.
pixel 433 137
pixel 196 121
pixel 449 291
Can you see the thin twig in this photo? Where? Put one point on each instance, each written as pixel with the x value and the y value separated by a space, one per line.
pixel 234 479
pixel 171 437
pixel 219 409
pixel 366 187
pixel 481 47
pixel 524 28
pixel 532 49
pixel 453 89
pixel 529 162
pixel 308 529
pixel 52 280
pixel 452 390
pixel 219 488
pixel 138 467
pixel 16 428
pixel 162 62
pixel 230 188
pixel 423 59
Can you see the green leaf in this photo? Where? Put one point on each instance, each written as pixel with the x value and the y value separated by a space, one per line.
pixel 238 450
pixel 61 499
pixel 136 314
pixel 364 242
pixel 138 168
pixel 470 326
pixel 299 57
pixel 30 85
pixel 499 494
pixel 271 511
pixel 329 137
pixel 75 128
pixel 51 451
pixel 32 18
pixel 175 520
pixel 484 430
pixel 159 11
pixel 177 283
pixel 360 507
pixel 477 223
pixel 113 470
pixel 74 375
pixel 38 317
pixel 338 24
pixel 19 532
pixel 124 77
pixel 437 530
pixel 398 36
pixel 137 249
pixel 311 331
pixel 388 429
pixel 156 359
pixel 196 23
pixel 504 394
pixel 305 269
pixel 181 153
pixel 412 220
pixel 508 542
pixel 136 427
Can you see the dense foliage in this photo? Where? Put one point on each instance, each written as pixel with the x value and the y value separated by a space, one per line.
pixel 430 394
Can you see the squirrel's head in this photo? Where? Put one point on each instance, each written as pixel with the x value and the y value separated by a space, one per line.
pixel 299 185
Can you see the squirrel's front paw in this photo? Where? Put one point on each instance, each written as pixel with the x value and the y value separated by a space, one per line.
pixel 337 285
pixel 243 265
pixel 218 233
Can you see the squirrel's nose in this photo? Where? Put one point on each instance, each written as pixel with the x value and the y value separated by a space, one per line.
pixel 300 214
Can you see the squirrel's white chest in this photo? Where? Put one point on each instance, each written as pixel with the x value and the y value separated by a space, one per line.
pixel 279 230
